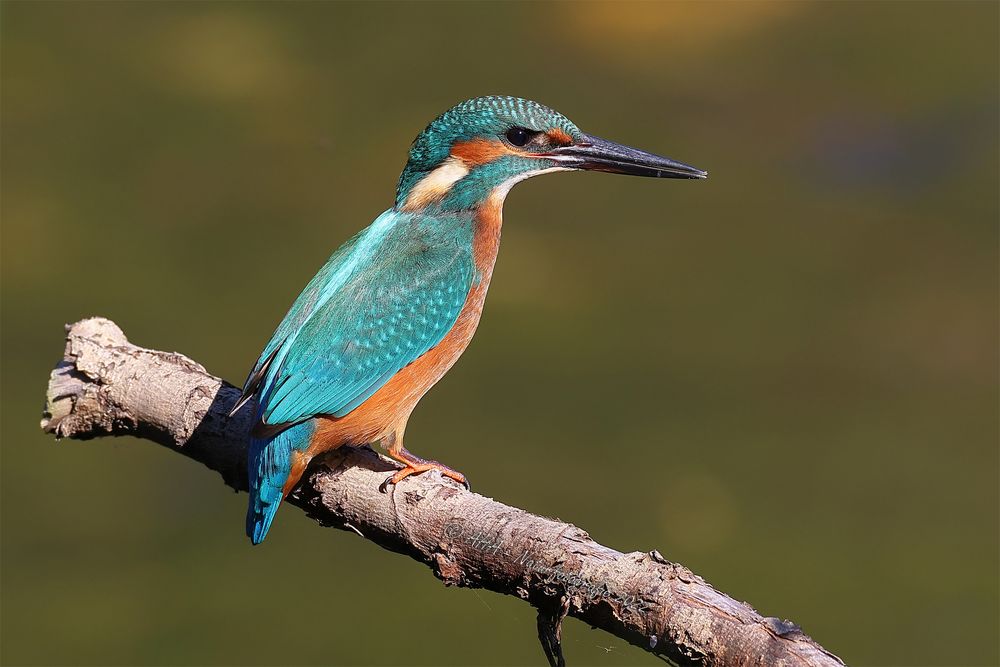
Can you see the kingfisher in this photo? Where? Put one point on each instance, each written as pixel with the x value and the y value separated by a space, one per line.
pixel 393 309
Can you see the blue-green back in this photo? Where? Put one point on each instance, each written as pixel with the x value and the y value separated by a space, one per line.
pixel 384 298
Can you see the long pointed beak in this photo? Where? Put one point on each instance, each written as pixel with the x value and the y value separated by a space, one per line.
pixel 596 154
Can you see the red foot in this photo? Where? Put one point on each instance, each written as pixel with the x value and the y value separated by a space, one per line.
pixel 415 466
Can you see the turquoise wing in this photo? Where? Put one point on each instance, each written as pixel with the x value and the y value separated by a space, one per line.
pixel 387 297
pixel 384 298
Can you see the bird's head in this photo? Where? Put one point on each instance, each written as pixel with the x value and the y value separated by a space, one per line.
pixel 477 150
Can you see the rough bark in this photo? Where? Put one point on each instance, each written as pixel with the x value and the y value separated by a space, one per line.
pixel 107 386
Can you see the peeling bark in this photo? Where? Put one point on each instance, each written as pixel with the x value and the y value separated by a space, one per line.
pixel 107 386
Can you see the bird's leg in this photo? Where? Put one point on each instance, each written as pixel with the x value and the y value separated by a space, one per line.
pixel 414 465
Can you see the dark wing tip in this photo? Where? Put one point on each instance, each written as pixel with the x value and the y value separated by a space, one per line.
pixel 244 398
pixel 254 381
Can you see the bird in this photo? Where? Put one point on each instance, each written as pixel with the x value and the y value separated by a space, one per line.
pixel 393 308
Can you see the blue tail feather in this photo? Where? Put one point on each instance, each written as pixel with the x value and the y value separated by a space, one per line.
pixel 268 465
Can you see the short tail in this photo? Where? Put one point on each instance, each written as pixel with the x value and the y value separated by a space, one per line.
pixel 268 466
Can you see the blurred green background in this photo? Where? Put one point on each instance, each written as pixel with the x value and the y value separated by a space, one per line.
pixel 784 377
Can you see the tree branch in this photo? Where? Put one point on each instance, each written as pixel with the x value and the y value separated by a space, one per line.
pixel 107 386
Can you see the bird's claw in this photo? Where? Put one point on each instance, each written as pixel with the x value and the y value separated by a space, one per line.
pixel 403 473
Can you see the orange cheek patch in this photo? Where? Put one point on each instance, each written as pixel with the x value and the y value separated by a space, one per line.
pixel 559 137
pixel 479 151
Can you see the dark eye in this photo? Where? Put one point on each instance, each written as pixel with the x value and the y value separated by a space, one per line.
pixel 518 136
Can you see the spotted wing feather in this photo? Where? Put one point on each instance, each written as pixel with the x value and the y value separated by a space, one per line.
pixel 374 308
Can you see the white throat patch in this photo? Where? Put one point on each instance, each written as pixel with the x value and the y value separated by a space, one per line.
pixel 500 192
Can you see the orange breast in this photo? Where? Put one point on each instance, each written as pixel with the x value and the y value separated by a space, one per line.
pixel 387 410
